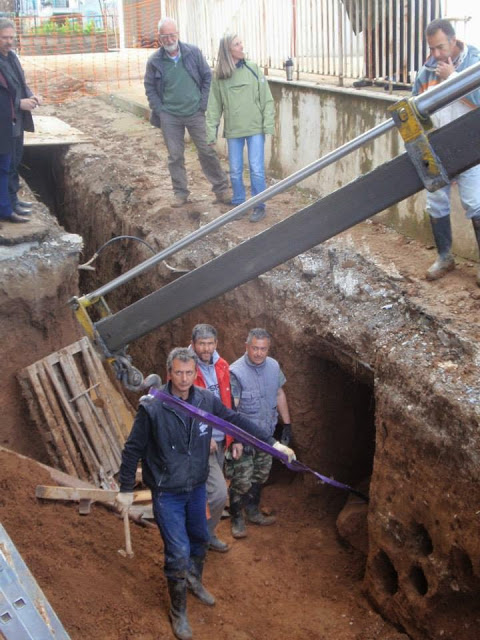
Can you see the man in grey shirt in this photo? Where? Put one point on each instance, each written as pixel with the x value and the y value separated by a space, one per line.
pixel 257 382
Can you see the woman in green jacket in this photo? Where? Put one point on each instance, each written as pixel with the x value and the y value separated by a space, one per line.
pixel 240 92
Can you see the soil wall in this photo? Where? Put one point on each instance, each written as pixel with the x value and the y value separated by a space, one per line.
pixel 38 274
pixel 344 318
pixel 382 369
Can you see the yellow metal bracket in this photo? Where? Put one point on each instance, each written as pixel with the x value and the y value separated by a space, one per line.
pixel 414 130
pixel 80 307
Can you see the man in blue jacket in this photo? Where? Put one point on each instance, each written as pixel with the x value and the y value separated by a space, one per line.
pixel 177 82
pixel 175 450
pixel 449 56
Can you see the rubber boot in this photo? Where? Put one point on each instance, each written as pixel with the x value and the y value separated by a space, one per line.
pixel 253 507
pixel 194 581
pixel 177 590
pixel 442 233
pixel 476 228
pixel 236 515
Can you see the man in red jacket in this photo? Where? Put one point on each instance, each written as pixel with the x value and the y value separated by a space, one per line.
pixel 213 374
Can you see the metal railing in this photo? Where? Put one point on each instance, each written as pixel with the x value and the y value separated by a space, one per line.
pixel 373 39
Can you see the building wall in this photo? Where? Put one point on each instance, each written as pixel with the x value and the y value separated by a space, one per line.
pixel 313 120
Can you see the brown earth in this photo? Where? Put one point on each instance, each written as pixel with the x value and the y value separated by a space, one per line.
pixel 293 580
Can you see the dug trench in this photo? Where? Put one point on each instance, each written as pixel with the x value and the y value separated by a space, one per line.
pixel 383 387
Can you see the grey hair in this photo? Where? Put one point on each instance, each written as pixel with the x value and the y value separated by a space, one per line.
pixel 203 331
pixel 225 63
pixel 440 25
pixel 164 21
pixel 259 334
pixel 180 353
pixel 6 23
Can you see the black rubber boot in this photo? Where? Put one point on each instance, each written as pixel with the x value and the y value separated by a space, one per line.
pixel 236 515
pixel 476 228
pixel 177 590
pixel 194 581
pixel 442 234
pixel 253 507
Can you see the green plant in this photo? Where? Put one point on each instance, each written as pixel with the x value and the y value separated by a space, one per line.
pixel 69 27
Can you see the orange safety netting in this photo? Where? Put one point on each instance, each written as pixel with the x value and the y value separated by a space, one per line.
pixel 72 52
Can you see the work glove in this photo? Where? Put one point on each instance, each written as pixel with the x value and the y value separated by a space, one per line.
pixel 124 501
pixel 286 450
pixel 286 436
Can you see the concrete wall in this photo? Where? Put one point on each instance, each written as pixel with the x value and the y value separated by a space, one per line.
pixel 312 120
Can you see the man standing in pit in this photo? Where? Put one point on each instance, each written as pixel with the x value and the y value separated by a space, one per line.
pixel 24 103
pixel 213 374
pixel 448 56
pixel 257 382
pixel 177 84
pixel 174 450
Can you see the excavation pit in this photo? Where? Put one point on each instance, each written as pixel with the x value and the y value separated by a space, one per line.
pixel 382 381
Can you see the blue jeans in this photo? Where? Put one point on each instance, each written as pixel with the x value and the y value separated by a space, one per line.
pixel 182 520
pixel 5 206
pixel 438 202
pixel 256 165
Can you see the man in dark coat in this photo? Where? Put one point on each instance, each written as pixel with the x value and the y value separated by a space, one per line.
pixel 24 103
pixel 7 112
pixel 175 450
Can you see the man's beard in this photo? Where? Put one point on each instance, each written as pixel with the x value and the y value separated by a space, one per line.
pixel 171 48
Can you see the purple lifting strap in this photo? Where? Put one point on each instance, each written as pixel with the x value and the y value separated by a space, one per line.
pixel 245 438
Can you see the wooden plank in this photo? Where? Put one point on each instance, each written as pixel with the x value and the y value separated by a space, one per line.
pixel 73 455
pixel 105 431
pixel 103 393
pixel 136 512
pixel 95 433
pixel 114 398
pixel 88 454
pixel 48 492
pixel 37 415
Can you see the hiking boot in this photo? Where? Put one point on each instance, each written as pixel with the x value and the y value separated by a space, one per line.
pixel 440 268
pixel 258 214
pixel 442 234
pixel 237 520
pixel 223 197
pixel 194 581
pixel 179 201
pixel 252 509
pixel 216 544
pixel 177 590
pixel 476 228
pixel 239 530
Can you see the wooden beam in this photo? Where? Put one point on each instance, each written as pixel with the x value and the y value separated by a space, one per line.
pixel 75 493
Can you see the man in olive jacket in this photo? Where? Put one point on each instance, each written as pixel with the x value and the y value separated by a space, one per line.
pixel 175 450
pixel 177 82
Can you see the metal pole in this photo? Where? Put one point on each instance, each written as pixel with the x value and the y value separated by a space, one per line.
pixel 427 103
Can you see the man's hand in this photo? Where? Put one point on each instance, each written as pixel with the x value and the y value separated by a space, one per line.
pixel 237 450
pixel 213 446
pixel 286 450
pixel 444 69
pixel 124 501
pixel 286 436
pixel 28 104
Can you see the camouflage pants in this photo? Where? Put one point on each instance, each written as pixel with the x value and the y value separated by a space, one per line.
pixel 252 468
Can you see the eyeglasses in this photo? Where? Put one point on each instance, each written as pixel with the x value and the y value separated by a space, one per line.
pixel 166 36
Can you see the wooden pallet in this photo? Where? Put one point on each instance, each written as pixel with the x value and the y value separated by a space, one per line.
pixel 83 419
